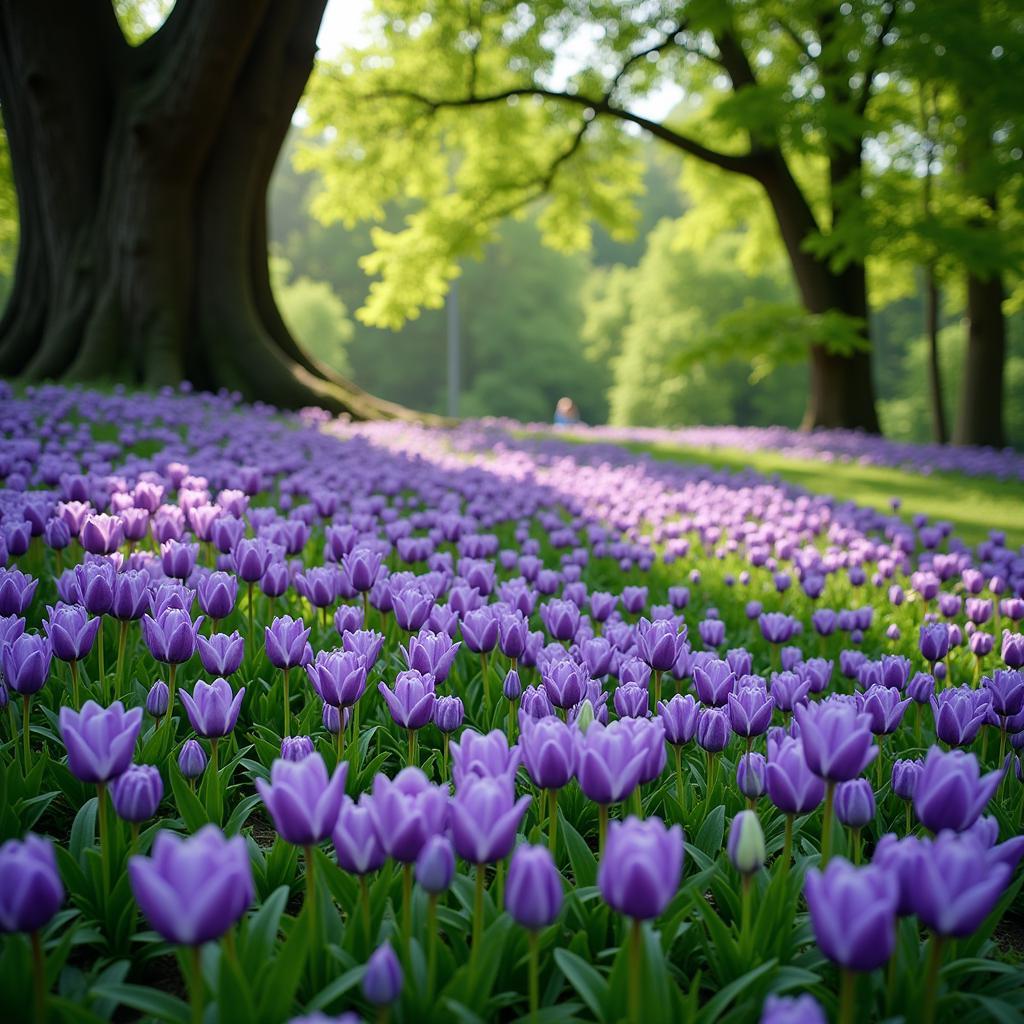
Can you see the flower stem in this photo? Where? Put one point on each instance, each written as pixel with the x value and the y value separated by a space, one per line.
pixel 679 776
pixel 553 822
pixel 196 987
pixel 931 983
pixel 431 944
pixel 74 685
pixel 287 707
pixel 101 815
pixel 787 843
pixel 826 823
pixel 407 907
pixel 251 638
pixel 856 846
pixel 746 887
pixel 657 688
pixel 532 943
pixel 478 918
pixel 122 640
pixel 483 683
pixel 311 892
pixel 38 979
pixel 364 899
pixel 602 827
pixel 99 663
pixel 172 671
pixel 635 970
pixel 847 996
pixel 26 709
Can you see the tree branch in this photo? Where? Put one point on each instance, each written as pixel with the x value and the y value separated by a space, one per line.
pixel 742 163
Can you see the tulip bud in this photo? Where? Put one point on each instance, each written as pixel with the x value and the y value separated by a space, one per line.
pixel 295 748
pixel 382 981
pixel 192 760
pixel 157 699
pixel 512 687
pixel 746 843
pixel 585 716
pixel 435 865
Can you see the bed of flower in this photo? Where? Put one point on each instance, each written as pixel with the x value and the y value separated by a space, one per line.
pixel 309 718
pixel 820 445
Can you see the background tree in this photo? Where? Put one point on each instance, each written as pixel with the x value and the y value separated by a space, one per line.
pixel 783 96
pixel 141 174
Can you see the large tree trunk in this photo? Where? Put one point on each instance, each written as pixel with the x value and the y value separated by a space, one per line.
pixel 842 391
pixel 979 417
pixel 142 178
pixel 931 328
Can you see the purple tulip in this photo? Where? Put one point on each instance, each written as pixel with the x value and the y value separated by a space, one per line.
pixel 338 677
pixel 565 683
pixel 411 702
pixel 407 811
pixel 610 762
pixel 448 714
pixel 641 866
pixel 679 716
pixel 957 884
pixel 751 775
pixel 836 738
pixel 361 566
pixel 1007 691
pixel 192 890
pixel 137 792
pixel 435 866
pixel 382 980
pixel 217 594
pixel 959 714
pixel 286 642
pixel 212 708
pixel 250 559
pixel 101 534
pixel 714 682
pixel 486 755
pixel 32 891
pixel 130 595
pixel 191 760
pixel 713 729
pixel 533 892
pixel 855 803
pixel 803 1009
pixel 484 818
pixel 356 844
pixel 302 800
pixel 549 751
pixel 222 654
pixel 157 699
pixel 631 701
pixel 952 792
pixel 70 630
pixel 95 581
pixel 905 775
pixel 934 641
pixel 100 741
pixel 853 913
pixel 26 662
pixel 883 705
pixel 791 785
pixel 750 711
pixel 172 636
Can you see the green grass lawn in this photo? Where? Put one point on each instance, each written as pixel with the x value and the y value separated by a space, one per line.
pixel 974 505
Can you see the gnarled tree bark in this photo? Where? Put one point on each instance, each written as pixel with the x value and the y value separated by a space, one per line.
pixel 142 177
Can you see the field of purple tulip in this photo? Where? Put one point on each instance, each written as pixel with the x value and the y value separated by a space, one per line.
pixel 308 720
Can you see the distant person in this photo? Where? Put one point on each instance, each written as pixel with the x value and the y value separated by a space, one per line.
pixel 567 414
